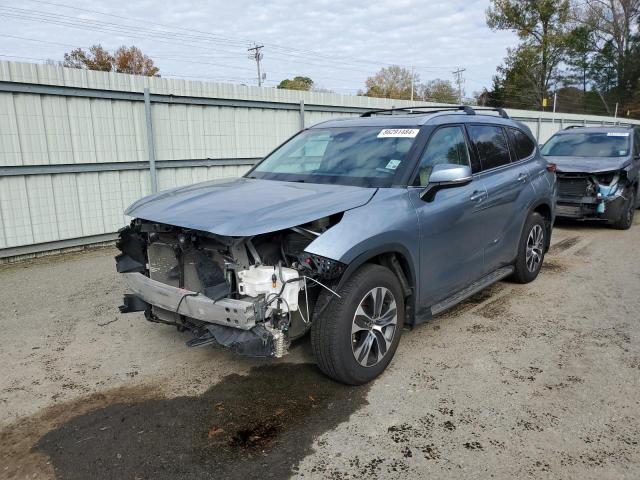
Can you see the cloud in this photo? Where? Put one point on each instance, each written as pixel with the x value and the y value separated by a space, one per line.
pixel 336 43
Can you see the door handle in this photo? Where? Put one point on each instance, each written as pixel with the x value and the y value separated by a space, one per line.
pixel 523 177
pixel 478 196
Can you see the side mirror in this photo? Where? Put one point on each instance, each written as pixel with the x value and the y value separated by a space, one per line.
pixel 446 175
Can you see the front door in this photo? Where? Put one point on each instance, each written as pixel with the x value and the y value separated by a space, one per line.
pixel 452 225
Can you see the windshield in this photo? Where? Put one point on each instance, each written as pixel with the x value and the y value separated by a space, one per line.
pixel 591 144
pixel 361 156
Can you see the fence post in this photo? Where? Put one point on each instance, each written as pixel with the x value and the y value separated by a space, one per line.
pixel 538 132
pixel 301 114
pixel 150 141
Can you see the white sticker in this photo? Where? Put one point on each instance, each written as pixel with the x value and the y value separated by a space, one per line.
pixel 393 164
pixel 399 133
pixel 617 134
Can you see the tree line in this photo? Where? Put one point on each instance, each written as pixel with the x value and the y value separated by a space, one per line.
pixel 585 53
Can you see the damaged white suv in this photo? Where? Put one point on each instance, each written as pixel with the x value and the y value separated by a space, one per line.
pixel 351 229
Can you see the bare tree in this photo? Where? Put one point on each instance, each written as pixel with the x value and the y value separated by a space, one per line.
pixel 613 23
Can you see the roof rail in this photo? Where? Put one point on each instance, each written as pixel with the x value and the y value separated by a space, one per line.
pixel 435 109
pixel 501 111
pixel 574 126
pixel 620 125
pixel 420 110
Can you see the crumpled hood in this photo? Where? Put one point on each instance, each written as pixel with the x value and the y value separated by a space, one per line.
pixel 588 164
pixel 244 207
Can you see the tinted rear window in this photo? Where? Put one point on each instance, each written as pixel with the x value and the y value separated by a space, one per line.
pixel 523 145
pixel 491 145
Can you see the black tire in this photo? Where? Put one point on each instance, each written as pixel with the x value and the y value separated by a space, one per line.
pixel 523 273
pixel 332 340
pixel 626 217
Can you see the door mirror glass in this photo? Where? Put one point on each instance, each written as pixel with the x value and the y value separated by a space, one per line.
pixel 446 175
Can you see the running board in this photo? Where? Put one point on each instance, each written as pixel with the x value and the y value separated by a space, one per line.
pixel 472 289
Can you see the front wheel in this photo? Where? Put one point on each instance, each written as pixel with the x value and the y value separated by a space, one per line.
pixel 354 337
pixel 626 217
pixel 531 249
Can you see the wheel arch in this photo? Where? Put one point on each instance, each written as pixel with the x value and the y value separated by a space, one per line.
pixel 396 258
pixel 544 208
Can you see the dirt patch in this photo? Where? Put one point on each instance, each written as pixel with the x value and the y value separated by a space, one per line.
pixel 553 266
pixel 475 300
pixel 496 308
pixel 565 244
pixel 243 427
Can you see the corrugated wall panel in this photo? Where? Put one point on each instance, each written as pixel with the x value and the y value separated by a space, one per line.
pixel 42 208
pixel 81 125
pixel 57 128
pixel 67 202
pixel 33 138
pixel 10 153
pixel 91 210
pixel 14 203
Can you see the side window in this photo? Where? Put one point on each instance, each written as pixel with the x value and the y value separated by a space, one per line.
pixel 522 144
pixel 636 141
pixel 447 145
pixel 491 145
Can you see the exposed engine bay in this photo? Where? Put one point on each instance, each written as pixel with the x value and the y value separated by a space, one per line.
pixel 591 195
pixel 251 294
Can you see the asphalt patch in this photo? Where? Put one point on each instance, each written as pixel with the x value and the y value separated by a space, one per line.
pixel 255 426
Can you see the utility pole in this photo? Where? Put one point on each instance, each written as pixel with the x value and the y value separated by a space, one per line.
pixel 412 83
pixel 459 81
pixel 555 100
pixel 256 54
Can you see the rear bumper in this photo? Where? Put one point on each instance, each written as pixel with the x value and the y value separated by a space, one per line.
pixel 241 314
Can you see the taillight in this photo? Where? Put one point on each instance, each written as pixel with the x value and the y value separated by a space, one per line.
pixel 552 167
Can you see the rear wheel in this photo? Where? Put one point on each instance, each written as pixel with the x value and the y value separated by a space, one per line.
pixel 355 337
pixel 626 217
pixel 531 249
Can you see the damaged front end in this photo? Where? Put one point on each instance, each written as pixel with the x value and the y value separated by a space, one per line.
pixel 251 294
pixel 591 196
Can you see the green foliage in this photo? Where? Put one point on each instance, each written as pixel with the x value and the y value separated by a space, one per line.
pixel 298 83
pixel 585 51
pixel 391 82
pixel 438 90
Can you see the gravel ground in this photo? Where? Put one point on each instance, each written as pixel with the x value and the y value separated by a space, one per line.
pixel 539 380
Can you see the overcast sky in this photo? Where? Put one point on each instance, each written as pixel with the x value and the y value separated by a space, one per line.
pixel 338 43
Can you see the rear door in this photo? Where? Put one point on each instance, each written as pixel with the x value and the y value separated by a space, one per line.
pixel 508 184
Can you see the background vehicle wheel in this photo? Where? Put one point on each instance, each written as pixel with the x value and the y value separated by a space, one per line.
pixel 355 337
pixel 626 217
pixel 531 249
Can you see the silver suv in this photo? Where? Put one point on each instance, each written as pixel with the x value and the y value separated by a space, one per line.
pixel 351 229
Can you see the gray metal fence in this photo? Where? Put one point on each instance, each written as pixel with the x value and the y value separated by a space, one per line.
pixel 76 147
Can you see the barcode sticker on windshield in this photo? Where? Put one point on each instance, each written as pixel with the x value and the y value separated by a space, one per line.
pixel 399 133
pixel 617 134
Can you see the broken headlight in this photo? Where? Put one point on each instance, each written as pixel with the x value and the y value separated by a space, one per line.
pixel 321 266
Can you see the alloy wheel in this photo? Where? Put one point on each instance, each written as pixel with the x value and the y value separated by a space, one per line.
pixel 535 248
pixel 374 326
